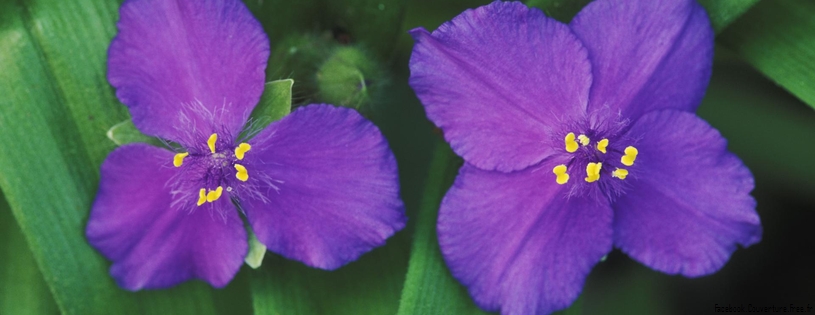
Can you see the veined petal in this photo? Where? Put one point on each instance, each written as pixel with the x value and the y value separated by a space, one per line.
pixel 496 79
pixel 518 242
pixel 153 245
pixel 330 183
pixel 181 65
pixel 689 203
pixel 646 55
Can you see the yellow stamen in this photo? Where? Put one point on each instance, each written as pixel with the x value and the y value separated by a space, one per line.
pixel 213 195
pixel 601 145
pixel 202 196
pixel 241 150
pixel 571 145
pixel 178 159
pixel 630 156
pixel 241 174
pixel 560 171
pixel 211 142
pixel 583 140
pixel 620 173
pixel 593 171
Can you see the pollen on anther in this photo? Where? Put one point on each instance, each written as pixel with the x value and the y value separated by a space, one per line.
pixel 213 195
pixel 630 156
pixel 241 150
pixel 211 142
pixel 583 140
pixel 601 145
pixel 593 171
pixel 242 175
pixel 202 196
pixel 560 172
pixel 571 145
pixel 178 159
pixel 620 173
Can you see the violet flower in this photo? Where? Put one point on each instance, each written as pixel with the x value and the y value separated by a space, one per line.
pixel 579 138
pixel 319 186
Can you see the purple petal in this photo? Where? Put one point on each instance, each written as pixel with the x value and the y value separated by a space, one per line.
pixel 190 64
pixel 518 242
pixel 497 79
pixel 689 203
pixel 154 245
pixel 646 55
pixel 330 187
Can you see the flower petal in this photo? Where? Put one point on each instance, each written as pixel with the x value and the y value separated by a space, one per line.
pixel 330 187
pixel 154 245
pixel 188 64
pixel 518 242
pixel 646 55
pixel 497 79
pixel 689 203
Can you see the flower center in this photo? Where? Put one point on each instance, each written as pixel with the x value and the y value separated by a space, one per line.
pixel 598 156
pixel 212 171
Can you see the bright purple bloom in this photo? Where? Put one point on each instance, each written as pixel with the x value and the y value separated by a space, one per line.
pixel 319 186
pixel 579 138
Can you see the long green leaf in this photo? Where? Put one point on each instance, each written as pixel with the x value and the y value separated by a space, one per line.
pixel 776 37
pixel 56 109
pixel 429 286
pixel 22 289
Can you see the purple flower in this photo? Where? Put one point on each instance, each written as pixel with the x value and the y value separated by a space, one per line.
pixel 319 186
pixel 579 138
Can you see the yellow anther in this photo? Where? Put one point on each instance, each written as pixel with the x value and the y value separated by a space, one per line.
pixel 241 174
pixel 202 196
pixel 178 159
pixel 630 156
pixel 620 173
pixel 560 172
pixel 583 140
pixel 213 195
pixel 571 145
pixel 211 142
pixel 601 145
pixel 593 171
pixel 241 150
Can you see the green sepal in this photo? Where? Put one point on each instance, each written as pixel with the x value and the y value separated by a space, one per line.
pixel 275 103
pixel 256 250
pixel 126 132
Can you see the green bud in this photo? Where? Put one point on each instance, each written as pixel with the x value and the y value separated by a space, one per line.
pixel 298 57
pixel 349 77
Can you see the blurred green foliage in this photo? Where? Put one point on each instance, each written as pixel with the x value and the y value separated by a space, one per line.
pixel 56 107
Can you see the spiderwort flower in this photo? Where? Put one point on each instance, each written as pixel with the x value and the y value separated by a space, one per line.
pixel 319 186
pixel 578 138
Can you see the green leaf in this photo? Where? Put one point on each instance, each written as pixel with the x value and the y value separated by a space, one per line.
pixel 429 286
pixel 724 12
pixel 22 288
pixel 57 107
pixel 275 103
pixel 125 132
pixel 370 285
pixel 776 37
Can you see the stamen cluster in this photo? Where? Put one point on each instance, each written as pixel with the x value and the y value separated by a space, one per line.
pixel 210 169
